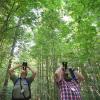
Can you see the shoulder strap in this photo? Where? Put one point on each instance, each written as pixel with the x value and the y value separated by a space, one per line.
pixel 22 88
pixel 28 86
pixel 16 80
pixel 27 80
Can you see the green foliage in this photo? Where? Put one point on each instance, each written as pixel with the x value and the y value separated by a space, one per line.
pixel 44 37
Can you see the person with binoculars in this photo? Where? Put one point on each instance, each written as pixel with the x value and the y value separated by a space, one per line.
pixel 67 80
pixel 22 84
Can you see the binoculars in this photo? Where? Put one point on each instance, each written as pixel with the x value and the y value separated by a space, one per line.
pixel 65 65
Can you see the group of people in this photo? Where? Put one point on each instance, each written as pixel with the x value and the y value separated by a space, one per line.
pixel 67 79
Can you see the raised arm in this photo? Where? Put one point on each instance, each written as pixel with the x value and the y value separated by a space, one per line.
pixel 79 76
pixel 33 72
pixel 58 74
pixel 11 70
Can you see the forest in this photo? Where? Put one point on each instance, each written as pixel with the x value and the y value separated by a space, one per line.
pixel 44 33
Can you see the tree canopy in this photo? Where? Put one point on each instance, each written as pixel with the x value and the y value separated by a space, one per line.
pixel 46 32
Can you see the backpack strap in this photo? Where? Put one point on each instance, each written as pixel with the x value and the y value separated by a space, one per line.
pixel 16 81
pixel 22 88
pixel 28 86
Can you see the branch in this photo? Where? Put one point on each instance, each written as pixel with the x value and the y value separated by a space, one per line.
pixel 10 28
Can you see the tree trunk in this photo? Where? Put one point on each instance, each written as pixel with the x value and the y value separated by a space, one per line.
pixel 4 89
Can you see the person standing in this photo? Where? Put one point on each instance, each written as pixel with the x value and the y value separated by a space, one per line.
pixel 68 80
pixel 22 84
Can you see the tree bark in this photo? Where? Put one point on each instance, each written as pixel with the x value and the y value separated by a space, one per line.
pixel 4 89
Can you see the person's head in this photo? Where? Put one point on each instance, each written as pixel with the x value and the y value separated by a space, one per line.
pixel 24 70
pixel 23 73
pixel 65 68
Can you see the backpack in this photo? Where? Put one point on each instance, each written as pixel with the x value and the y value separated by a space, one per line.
pixel 21 89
